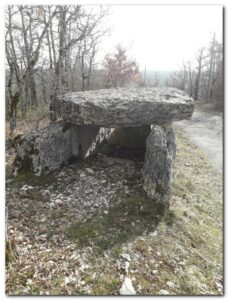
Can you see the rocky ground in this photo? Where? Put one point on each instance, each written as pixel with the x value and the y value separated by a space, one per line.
pixel 89 229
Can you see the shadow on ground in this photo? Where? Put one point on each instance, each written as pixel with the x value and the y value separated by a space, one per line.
pixel 131 218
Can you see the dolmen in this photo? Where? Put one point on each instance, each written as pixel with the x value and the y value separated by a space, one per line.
pixel 89 117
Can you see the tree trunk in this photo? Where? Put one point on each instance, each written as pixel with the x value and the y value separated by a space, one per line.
pixel 13 111
pixel 33 91
pixel 196 90
pixel 210 75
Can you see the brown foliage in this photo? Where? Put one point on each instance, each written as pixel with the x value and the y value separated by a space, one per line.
pixel 120 69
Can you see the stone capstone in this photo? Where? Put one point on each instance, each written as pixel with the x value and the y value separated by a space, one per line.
pixel 126 107
pixel 159 157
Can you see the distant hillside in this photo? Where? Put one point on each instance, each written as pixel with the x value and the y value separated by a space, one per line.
pixel 154 78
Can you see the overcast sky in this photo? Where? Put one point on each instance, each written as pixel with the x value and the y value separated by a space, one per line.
pixel 161 37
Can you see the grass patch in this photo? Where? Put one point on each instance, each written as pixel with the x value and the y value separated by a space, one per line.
pixel 106 286
pixel 31 179
pixel 118 226
pixel 191 233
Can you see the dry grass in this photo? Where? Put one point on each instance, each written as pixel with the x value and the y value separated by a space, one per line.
pixel 190 244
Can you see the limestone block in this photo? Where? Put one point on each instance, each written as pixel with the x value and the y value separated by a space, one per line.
pixel 42 151
pixel 159 156
pixel 124 107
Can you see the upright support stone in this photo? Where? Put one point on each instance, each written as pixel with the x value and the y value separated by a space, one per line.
pixel 84 135
pixel 159 156
pixel 42 151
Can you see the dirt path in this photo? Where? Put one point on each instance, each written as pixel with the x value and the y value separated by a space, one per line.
pixel 205 130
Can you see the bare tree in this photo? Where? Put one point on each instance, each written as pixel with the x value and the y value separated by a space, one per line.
pixel 191 79
pixel 218 86
pixel 156 79
pixel 19 77
pixel 28 17
pixel 86 58
pixel 82 24
pixel 179 78
pixel 203 78
pixel 211 69
pixel 200 65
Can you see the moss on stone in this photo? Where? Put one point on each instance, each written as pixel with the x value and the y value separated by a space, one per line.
pixel 31 179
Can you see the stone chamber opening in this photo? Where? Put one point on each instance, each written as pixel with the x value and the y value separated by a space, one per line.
pixel 125 143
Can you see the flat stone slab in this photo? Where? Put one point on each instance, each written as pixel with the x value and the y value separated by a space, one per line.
pixel 125 107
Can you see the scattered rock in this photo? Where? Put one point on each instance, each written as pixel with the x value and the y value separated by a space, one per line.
pixel 26 188
pixel 154 233
pixel 46 193
pixel 126 256
pixel 219 286
pixel 51 205
pixel 9 181
pixel 170 284
pixel 89 171
pixel 83 267
pixel 66 280
pixel 121 276
pixel 126 267
pixel 58 201
pixel 82 175
pixel 187 164
pixel 127 287
pixel 163 292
